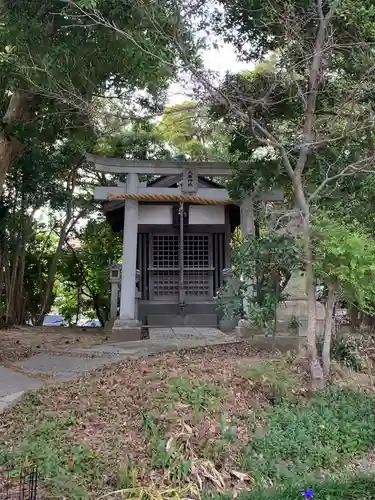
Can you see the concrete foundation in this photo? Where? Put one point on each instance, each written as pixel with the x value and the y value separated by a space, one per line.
pixel 108 327
pixel 147 309
pixel 282 343
pixel 126 334
pixel 170 320
pixel 126 330
pixel 228 325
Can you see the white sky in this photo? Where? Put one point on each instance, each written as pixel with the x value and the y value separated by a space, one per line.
pixel 224 59
pixel 220 60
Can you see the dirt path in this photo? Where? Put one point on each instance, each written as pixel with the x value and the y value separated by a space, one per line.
pixel 21 342
pixel 58 355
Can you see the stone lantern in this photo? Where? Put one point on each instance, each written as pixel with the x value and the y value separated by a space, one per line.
pixel 115 280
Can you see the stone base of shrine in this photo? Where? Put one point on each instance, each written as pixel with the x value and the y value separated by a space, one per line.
pixel 126 330
pixel 108 327
pixel 246 330
pixel 271 343
pixel 228 325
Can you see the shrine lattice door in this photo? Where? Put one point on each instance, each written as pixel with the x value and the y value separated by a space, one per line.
pixel 167 267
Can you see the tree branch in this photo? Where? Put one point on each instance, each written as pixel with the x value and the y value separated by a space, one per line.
pixel 313 87
pixel 352 169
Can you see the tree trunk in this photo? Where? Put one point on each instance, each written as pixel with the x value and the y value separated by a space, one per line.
pixel 7 266
pixel 94 296
pixel 20 287
pixel 354 317
pixel 316 369
pixel 25 229
pixel 10 150
pixel 328 328
pixel 11 295
pixel 21 108
pixel 46 302
pixel 2 284
pixel 98 310
pixel 78 310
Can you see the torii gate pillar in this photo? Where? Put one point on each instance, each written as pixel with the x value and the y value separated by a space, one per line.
pixel 127 327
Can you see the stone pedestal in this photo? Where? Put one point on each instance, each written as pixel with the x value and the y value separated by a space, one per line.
pixel 230 294
pixel 292 315
pixel 114 301
pixel 247 216
pixel 245 329
pixel 248 230
pixel 129 329
pixel 126 330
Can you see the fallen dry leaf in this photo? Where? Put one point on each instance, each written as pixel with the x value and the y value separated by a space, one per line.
pixel 108 405
pixel 241 475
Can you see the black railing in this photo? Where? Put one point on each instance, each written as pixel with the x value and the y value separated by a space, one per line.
pixel 22 486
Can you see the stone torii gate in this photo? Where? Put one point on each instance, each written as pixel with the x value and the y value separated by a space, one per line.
pixel 133 192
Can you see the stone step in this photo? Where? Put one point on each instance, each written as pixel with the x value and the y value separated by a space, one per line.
pixel 171 320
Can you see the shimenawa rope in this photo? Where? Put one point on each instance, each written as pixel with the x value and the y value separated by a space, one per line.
pixel 187 198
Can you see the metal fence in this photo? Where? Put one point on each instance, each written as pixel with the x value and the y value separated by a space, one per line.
pixel 23 486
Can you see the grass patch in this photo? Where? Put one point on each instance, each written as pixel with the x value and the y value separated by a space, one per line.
pixel 276 379
pixel 200 397
pixel 322 434
pixel 217 449
pixel 152 493
pixel 176 426
pixel 161 456
pixel 167 454
pixel 349 488
pixel 66 468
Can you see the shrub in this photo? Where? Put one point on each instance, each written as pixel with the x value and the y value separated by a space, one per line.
pixel 345 350
pixel 349 488
pixel 322 434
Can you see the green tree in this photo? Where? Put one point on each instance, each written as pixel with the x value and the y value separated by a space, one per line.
pixel 306 121
pixel 23 303
pixel 189 129
pixel 56 59
pixel 84 272
pixel 141 140
pixel 41 181
pixel 344 261
pixel 270 258
pixel 58 68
